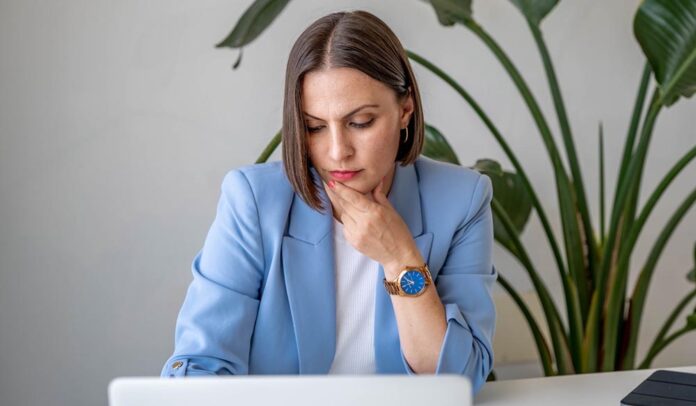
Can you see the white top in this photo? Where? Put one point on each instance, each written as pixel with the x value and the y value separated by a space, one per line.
pixel 356 276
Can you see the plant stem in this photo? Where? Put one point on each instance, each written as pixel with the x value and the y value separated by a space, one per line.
pixel 558 336
pixel 667 325
pixel 539 340
pixel 640 290
pixel 611 278
pixel 634 316
pixel 602 220
pixel 272 145
pixel 667 341
pixel 565 193
pixel 633 127
pixel 586 273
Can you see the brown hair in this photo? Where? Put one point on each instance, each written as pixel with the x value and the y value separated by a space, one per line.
pixel 357 40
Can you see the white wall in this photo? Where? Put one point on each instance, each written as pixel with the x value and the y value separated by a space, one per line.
pixel 119 119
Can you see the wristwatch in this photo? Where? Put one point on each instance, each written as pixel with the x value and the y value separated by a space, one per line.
pixel 412 281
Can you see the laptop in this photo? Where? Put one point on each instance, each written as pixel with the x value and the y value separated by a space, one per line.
pixel 343 390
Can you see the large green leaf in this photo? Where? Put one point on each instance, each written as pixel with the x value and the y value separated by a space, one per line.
pixel 666 30
pixel 450 11
pixel 437 147
pixel 252 23
pixel 535 10
pixel 509 190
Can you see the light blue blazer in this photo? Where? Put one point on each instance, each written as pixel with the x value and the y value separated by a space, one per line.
pixel 262 299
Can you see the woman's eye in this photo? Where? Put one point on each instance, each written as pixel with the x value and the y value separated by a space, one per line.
pixel 363 125
pixel 366 124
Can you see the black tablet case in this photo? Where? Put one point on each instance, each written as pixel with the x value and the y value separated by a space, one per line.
pixel 664 388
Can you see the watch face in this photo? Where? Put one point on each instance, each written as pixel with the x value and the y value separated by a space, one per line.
pixel 412 282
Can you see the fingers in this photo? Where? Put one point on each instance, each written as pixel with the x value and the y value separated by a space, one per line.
pixel 339 204
pixel 349 196
pixel 346 217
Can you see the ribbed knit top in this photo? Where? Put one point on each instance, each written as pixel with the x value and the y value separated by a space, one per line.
pixel 355 308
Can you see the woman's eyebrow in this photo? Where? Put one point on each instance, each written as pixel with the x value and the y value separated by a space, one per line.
pixel 364 106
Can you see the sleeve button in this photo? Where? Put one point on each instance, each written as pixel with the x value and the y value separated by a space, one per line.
pixel 177 364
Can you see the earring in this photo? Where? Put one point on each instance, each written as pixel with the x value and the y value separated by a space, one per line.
pixel 406 138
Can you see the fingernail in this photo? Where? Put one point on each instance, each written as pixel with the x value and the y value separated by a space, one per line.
pixel 331 184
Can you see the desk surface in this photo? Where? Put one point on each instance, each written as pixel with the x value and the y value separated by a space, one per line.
pixel 606 388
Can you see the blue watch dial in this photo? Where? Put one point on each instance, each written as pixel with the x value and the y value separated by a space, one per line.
pixel 412 282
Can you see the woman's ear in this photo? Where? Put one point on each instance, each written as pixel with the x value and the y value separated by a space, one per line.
pixel 407 107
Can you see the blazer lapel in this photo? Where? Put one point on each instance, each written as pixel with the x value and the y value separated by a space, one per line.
pixel 308 268
pixel 404 195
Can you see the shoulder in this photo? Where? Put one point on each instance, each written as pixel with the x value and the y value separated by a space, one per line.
pixel 442 176
pixel 445 186
pixel 256 174
pixel 263 176
pixel 264 183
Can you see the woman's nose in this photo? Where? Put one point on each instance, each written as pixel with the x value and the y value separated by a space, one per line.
pixel 340 147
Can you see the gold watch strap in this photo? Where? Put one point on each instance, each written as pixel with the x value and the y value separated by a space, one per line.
pixel 393 287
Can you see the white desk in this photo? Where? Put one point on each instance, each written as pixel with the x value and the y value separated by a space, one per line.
pixel 605 388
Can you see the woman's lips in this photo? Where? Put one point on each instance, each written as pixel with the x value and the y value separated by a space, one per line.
pixel 343 175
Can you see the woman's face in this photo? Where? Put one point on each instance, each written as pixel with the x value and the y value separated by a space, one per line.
pixel 353 127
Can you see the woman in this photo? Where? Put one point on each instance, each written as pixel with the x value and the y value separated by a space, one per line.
pixel 354 255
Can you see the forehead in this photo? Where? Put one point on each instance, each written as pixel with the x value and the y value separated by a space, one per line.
pixel 332 92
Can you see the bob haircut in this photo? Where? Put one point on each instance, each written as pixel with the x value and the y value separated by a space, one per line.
pixel 358 40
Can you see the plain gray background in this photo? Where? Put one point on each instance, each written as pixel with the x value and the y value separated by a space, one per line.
pixel 119 119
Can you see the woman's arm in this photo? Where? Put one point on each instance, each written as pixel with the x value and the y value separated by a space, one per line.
pixel 427 328
pixel 448 329
pixel 421 321
pixel 214 327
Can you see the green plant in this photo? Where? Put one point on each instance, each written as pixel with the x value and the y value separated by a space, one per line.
pixel 601 334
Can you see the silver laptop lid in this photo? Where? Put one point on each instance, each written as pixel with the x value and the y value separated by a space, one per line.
pixel 401 390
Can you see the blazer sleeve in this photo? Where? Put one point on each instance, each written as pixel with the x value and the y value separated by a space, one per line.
pixel 216 320
pixel 464 284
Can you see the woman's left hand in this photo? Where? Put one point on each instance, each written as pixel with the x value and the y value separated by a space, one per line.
pixel 374 227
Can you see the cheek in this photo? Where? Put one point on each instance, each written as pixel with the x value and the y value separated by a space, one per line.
pixel 384 143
